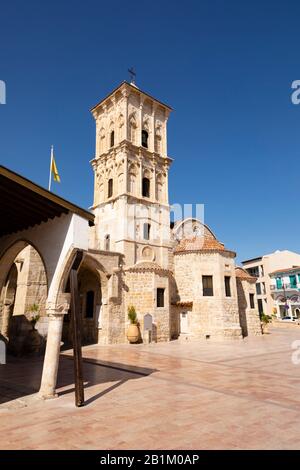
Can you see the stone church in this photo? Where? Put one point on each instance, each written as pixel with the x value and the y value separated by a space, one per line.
pixel 178 272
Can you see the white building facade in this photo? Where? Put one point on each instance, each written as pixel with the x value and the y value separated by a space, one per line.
pixel 285 289
pixel 261 268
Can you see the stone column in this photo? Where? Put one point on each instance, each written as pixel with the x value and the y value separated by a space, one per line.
pixel 140 126
pixel 51 361
pixel 152 133
pixel 139 191
pixel 126 127
pixel 164 138
pixel 7 310
pixel 153 188
pixel 126 189
pixel 166 184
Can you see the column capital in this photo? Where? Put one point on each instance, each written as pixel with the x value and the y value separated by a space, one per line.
pixel 59 307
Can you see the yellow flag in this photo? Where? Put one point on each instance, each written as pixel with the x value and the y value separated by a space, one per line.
pixel 54 170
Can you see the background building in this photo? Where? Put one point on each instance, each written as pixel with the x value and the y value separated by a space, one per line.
pixel 262 267
pixel 285 290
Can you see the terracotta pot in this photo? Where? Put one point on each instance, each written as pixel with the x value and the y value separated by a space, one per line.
pixel 133 333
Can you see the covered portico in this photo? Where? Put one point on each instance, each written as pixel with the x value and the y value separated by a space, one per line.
pixel 56 229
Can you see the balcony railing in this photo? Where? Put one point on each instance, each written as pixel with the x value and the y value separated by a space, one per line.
pixel 286 286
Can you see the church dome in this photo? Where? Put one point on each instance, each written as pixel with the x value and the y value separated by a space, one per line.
pixel 199 244
pixel 203 241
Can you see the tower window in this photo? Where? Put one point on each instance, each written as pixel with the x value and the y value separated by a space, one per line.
pixel 207 284
pixel 227 286
pixel 160 297
pixel 146 187
pixel 251 298
pixel 110 187
pixel 107 242
pixel 112 138
pixel 145 138
pixel 89 304
pixel 147 228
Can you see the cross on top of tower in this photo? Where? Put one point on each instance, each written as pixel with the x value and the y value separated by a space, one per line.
pixel 132 75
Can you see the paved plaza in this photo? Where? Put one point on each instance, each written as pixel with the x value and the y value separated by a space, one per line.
pixel 177 395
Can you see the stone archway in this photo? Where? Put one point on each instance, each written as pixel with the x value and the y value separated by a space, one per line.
pixel 89 284
pixel 8 296
pixel 90 296
pixel 23 298
pixel 93 293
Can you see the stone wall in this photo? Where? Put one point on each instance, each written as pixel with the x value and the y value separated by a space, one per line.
pixel 249 317
pixel 212 316
pixel 175 311
pixel 141 288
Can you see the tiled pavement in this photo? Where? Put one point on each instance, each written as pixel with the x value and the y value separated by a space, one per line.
pixel 177 395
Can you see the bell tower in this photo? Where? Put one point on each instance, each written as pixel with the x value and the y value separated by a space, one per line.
pixel 131 176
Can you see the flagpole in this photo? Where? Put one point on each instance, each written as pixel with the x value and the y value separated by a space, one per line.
pixel 49 186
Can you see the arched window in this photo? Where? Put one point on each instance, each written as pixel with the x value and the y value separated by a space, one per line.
pixel 89 304
pixel 110 187
pixel 145 138
pixel 107 242
pixel 112 138
pixel 146 187
pixel 147 228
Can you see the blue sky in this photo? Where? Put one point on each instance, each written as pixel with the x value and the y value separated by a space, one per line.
pixel 226 67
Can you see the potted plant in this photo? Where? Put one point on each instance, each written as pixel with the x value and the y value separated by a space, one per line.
pixel 133 333
pixel 33 315
pixel 33 341
pixel 265 320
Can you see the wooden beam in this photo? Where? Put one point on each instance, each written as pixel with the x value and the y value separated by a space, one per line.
pixel 76 317
pixel 50 197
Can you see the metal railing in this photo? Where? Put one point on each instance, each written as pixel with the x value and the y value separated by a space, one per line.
pixel 286 286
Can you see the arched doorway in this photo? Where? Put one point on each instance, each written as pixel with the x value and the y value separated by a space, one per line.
pixel 22 299
pixel 90 297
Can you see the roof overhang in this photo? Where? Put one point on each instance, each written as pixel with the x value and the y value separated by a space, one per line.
pixel 24 204
pixel 252 260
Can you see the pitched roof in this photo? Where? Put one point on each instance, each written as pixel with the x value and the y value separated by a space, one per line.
pixel 143 266
pixel 241 273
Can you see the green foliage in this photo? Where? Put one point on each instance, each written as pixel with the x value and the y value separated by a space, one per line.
pixel 33 314
pixel 34 308
pixel 265 318
pixel 132 316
